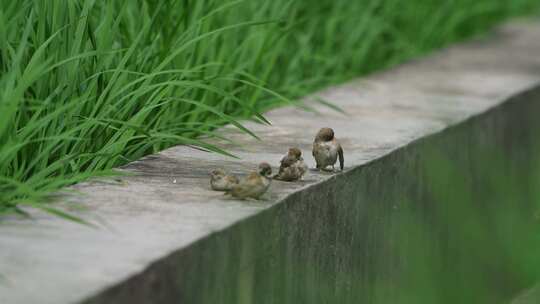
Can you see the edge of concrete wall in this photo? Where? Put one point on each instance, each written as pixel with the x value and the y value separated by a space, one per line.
pixel 160 235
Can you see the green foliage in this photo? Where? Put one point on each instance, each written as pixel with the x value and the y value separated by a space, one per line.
pixel 89 85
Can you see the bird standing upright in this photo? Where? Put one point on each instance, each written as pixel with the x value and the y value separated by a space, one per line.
pixel 326 150
pixel 292 166
pixel 221 181
pixel 255 185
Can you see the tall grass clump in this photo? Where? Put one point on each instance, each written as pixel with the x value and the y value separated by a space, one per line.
pixel 89 85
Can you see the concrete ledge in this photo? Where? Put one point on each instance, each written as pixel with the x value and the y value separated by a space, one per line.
pixel 329 238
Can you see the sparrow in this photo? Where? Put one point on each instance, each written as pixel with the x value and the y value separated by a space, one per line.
pixel 221 181
pixel 255 185
pixel 326 150
pixel 292 166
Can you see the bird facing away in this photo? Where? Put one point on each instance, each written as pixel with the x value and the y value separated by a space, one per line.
pixel 292 166
pixel 326 150
pixel 221 181
pixel 255 185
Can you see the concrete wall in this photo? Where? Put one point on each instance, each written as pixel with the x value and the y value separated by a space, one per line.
pixel 376 234
pixel 435 204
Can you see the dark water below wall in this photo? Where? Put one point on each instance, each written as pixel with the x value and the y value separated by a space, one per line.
pixel 452 218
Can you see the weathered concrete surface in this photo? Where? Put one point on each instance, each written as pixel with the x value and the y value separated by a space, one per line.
pixel 328 238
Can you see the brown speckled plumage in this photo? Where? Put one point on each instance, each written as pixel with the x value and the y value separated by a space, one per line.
pixel 292 166
pixel 221 181
pixel 255 185
pixel 327 150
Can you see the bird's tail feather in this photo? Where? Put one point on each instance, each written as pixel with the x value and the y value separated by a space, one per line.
pixel 341 158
